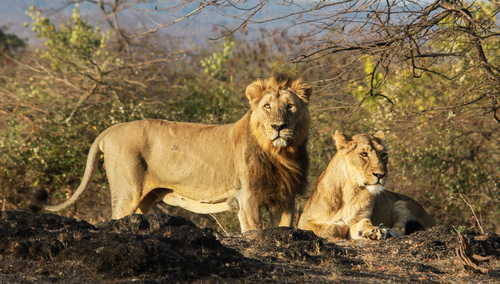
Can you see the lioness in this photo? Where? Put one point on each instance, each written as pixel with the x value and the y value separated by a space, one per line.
pixel 349 197
pixel 259 161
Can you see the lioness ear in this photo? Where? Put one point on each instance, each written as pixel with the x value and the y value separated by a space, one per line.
pixel 254 91
pixel 302 90
pixel 340 141
pixel 380 135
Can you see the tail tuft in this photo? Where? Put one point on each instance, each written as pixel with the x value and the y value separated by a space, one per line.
pixel 38 199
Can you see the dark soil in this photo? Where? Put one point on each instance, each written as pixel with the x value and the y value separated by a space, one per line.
pixel 47 248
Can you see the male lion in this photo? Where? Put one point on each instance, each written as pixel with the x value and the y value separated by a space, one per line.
pixel 349 198
pixel 259 161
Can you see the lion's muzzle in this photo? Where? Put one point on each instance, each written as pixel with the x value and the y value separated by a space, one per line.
pixel 380 178
pixel 279 134
pixel 377 186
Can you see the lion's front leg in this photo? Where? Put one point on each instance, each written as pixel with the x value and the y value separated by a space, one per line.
pixel 248 212
pixel 365 229
pixel 282 217
pixel 249 218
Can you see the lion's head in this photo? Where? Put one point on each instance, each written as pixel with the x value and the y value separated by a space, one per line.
pixel 280 116
pixel 366 160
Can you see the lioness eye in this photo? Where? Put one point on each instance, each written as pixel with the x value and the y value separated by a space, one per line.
pixel 384 155
pixel 364 154
pixel 267 106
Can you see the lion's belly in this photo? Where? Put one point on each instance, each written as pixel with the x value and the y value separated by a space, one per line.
pixel 203 183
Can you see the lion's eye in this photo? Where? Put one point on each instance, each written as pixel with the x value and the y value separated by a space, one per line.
pixel 290 106
pixel 384 155
pixel 267 106
pixel 364 154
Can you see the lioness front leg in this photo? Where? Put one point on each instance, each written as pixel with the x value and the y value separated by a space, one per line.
pixel 327 230
pixel 365 229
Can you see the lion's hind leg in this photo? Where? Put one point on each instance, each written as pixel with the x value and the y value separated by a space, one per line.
pixel 124 204
pixel 365 229
pixel 146 203
pixel 125 184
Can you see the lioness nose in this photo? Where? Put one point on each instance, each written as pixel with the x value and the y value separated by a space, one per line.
pixel 278 127
pixel 379 176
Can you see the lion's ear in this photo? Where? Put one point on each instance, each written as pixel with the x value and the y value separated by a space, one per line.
pixel 302 90
pixel 340 141
pixel 254 92
pixel 380 135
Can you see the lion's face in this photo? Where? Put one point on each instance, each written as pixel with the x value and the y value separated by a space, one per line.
pixel 280 117
pixel 366 160
pixel 279 111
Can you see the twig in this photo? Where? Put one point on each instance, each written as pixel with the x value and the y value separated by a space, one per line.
pixel 4 208
pixel 472 209
pixel 161 208
pixel 220 225
pixel 464 252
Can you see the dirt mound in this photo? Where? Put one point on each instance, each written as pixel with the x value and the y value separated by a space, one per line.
pixel 159 246
pixel 41 248
pixel 292 244
pixel 441 242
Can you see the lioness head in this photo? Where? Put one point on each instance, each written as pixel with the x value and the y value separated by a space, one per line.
pixel 280 116
pixel 366 159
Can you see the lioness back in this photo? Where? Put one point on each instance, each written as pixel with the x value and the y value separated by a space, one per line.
pixel 349 199
pixel 258 162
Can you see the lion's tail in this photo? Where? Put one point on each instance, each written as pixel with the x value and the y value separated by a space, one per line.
pixel 39 197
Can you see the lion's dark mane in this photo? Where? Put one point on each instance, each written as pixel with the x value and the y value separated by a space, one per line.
pixel 276 179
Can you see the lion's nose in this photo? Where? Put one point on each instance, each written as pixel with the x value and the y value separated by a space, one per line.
pixel 379 176
pixel 278 127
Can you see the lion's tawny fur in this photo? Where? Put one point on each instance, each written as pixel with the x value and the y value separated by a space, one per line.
pixel 259 161
pixel 349 199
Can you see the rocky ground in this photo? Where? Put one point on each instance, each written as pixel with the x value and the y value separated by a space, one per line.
pixel 47 248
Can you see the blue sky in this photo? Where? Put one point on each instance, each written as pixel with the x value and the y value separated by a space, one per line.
pixel 12 14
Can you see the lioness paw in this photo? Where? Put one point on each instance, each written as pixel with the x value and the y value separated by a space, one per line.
pixel 379 233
